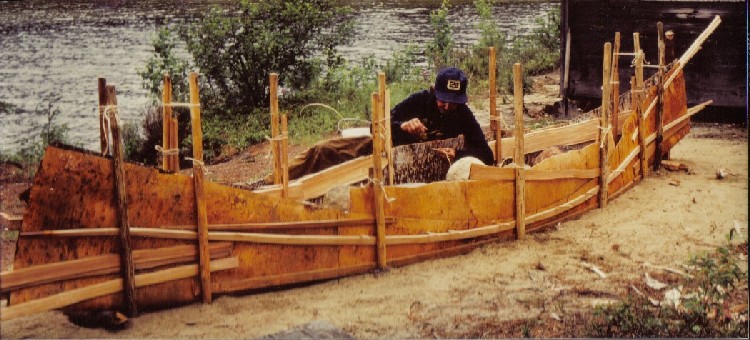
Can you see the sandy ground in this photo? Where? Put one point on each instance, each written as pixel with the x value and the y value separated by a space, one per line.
pixel 661 222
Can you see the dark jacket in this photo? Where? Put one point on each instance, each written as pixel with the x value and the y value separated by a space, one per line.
pixel 460 121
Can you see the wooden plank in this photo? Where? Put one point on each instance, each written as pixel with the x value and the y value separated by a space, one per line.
pixel 126 256
pixel 604 125
pixel 102 91
pixel 451 235
pixel 292 278
pixel 518 156
pixel 377 184
pixel 484 172
pixel 107 287
pixel 557 210
pixel 495 123
pixel 200 203
pixel 103 265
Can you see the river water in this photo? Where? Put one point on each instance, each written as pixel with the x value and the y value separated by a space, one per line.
pixel 54 51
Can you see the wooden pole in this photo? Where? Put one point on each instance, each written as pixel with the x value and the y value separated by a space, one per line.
pixel 126 256
pixel 284 157
pixel 166 100
pixel 102 111
pixel 377 188
pixel 388 140
pixel 519 156
pixel 604 125
pixel 615 83
pixel 384 129
pixel 660 99
pixel 638 60
pixel 495 124
pixel 566 75
pixel 635 99
pixel 273 89
pixel 200 202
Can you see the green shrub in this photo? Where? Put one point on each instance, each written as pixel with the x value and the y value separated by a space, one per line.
pixel 703 311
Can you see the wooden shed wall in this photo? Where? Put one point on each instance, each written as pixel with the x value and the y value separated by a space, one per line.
pixel 717 72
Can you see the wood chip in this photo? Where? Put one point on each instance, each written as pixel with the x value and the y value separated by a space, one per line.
pixel 674 166
pixel 654 283
pixel 594 269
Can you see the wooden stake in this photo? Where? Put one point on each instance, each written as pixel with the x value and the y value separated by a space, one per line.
pixel 166 100
pixel 635 99
pixel 566 75
pixel 388 140
pixel 495 124
pixel 385 130
pixel 377 188
pixel 660 99
pixel 273 89
pixel 615 83
pixel 638 61
pixel 102 111
pixel 126 256
pixel 604 125
pixel 200 202
pixel 519 156
pixel 284 157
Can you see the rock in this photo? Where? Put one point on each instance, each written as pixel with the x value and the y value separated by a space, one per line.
pixel 316 329
pixel 459 171
pixel 721 173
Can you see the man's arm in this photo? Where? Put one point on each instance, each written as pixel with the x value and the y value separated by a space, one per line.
pixel 404 113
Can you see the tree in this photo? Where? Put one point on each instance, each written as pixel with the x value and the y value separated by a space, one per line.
pixel 236 53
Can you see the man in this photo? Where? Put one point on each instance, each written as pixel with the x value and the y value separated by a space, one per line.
pixel 438 113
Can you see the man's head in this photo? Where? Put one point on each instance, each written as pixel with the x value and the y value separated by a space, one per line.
pixel 450 88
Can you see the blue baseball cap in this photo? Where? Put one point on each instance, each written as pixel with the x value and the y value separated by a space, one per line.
pixel 450 86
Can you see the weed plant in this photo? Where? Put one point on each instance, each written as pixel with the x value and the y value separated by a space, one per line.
pixel 708 307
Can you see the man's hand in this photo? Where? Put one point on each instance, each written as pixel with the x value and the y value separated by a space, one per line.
pixel 449 153
pixel 415 128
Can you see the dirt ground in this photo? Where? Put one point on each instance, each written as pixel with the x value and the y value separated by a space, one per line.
pixel 536 284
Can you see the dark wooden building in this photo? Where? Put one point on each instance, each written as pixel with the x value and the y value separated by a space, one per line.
pixel 718 71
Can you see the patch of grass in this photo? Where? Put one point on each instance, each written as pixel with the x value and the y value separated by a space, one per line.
pixel 711 304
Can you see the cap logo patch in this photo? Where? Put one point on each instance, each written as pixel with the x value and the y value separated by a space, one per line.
pixel 454 85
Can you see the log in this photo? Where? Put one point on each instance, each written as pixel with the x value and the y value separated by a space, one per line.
pixel 638 60
pixel 126 255
pixel 200 202
pixel 103 265
pixel 388 139
pixel 108 287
